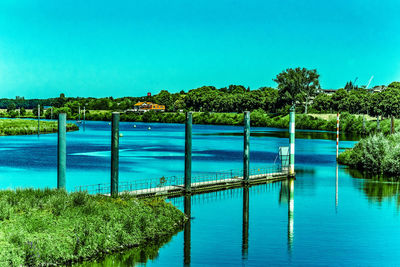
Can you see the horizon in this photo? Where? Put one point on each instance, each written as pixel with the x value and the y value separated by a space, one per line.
pixel 97 49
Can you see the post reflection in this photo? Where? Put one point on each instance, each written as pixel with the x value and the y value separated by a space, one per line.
pixel 337 187
pixel 245 225
pixel 290 214
pixel 287 195
pixel 187 233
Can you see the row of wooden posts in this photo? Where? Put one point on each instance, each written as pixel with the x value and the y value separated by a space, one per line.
pixel 62 149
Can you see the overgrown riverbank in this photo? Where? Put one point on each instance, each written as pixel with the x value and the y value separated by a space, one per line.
pixel 23 127
pixel 47 227
pixel 376 154
pixel 348 123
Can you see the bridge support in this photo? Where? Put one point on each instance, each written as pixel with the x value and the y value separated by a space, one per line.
pixel 291 140
pixel 62 151
pixel 246 148
pixel 188 153
pixel 114 153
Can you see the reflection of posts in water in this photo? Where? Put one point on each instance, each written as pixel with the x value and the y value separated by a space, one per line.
pixel 290 213
pixel 187 234
pixel 245 232
pixel 287 195
pixel 337 187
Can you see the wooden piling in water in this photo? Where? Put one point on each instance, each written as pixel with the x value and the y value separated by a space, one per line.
pixel 246 147
pixel 188 152
pixel 62 151
pixel 114 153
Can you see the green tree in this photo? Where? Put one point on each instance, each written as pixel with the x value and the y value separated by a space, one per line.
pixel 11 107
pixel 299 84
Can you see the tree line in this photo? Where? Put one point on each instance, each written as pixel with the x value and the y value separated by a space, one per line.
pixel 298 86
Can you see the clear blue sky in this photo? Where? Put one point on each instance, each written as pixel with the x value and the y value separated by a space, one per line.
pixel 127 48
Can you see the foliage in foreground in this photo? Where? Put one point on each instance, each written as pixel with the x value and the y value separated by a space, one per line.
pixel 21 127
pixel 45 227
pixel 377 154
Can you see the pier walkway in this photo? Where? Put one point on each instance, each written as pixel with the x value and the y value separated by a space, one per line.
pixel 174 186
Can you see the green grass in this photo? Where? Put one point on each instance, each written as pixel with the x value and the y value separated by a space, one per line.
pixel 47 227
pixel 24 127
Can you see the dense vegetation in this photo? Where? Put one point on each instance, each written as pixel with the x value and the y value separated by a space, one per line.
pixel 294 86
pixel 22 127
pixel 376 154
pixel 47 227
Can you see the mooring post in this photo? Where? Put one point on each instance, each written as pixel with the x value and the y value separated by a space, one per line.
pixel 62 151
pixel 246 147
pixel 114 153
pixel 337 135
pixel 188 152
pixel 291 140
pixel 38 128
pixel 377 123
pixel 392 125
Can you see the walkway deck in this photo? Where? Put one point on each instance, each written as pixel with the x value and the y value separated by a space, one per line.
pixel 208 186
pixel 207 182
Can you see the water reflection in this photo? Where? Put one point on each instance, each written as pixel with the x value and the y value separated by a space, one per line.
pixel 137 255
pixel 377 187
pixel 286 195
pixel 300 134
pixel 337 188
pixel 187 231
pixel 245 224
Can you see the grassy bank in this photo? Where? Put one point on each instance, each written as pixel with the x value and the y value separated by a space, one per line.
pixel 22 127
pixel 47 227
pixel 348 123
pixel 376 154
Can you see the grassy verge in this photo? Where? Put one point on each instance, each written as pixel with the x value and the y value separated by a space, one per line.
pixel 22 127
pixel 47 227
pixel 376 154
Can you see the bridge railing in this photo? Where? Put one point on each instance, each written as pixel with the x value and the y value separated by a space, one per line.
pixel 164 183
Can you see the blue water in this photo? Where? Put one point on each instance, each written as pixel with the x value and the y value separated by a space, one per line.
pixel 324 217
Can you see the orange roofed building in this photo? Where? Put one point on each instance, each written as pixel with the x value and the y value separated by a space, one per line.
pixel 146 106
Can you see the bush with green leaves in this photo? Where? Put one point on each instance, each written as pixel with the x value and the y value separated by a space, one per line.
pixel 377 154
pixel 47 227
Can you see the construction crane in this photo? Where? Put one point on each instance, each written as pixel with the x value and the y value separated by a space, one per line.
pixel 369 82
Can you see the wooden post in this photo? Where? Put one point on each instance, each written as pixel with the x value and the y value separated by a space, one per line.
pixel 62 151
pixel 291 140
pixel 114 154
pixel 246 147
pixel 188 152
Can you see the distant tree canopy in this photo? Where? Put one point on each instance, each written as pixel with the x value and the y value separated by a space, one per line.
pixel 297 85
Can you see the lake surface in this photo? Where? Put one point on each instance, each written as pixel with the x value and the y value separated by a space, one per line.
pixel 323 217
